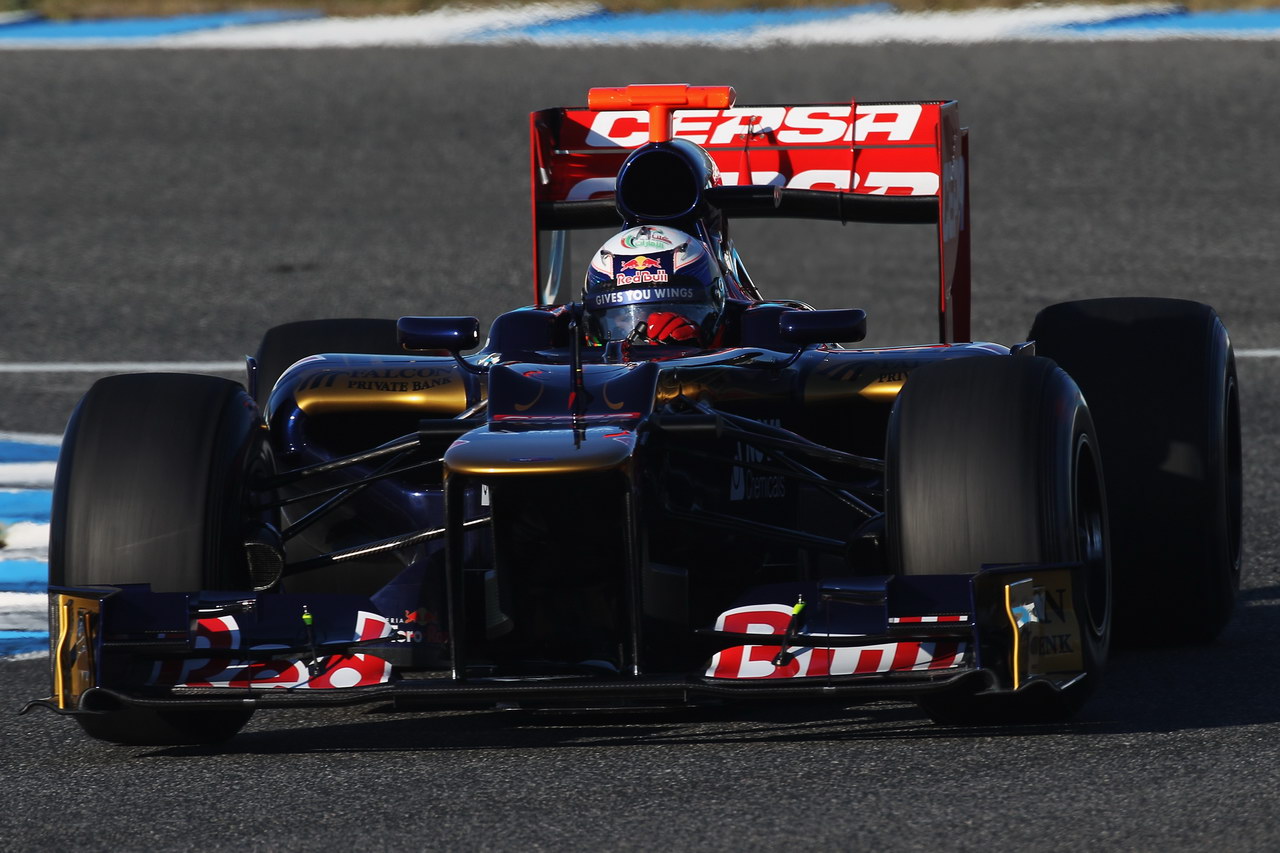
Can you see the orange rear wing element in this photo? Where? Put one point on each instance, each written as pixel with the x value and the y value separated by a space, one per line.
pixel 902 161
pixel 660 101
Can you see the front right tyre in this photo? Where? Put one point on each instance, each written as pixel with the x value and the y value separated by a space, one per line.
pixel 994 459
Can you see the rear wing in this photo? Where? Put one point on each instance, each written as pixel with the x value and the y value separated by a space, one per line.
pixel 847 162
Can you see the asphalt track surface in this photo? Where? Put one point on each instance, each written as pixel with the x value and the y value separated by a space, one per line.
pixel 169 206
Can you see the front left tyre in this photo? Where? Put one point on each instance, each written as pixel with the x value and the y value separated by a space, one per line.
pixel 154 486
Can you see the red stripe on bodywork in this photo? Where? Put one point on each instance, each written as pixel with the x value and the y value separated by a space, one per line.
pixel 904 657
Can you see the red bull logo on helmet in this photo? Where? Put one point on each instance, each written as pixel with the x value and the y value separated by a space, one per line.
pixel 642 274
pixel 640 262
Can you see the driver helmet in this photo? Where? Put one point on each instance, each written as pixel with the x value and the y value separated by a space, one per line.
pixel 653 284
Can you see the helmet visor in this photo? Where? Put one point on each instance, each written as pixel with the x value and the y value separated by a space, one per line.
pixel 653 322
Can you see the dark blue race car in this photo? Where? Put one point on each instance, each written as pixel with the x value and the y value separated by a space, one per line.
pixel 665 487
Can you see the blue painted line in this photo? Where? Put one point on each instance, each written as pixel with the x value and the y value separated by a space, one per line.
pixel 1249 20
pixel 43 29
pixel 21 451
pixel 619 25
pixel 25 505
pixel 24 576
pixel 22 642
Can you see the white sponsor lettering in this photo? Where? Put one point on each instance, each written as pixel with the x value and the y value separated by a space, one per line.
pixel 809 125
pixel 646 294
pixel 755 619
pixel 693 125
pixel 736 123
pixel 604 132
pixel 896 122
pixel 915 183
pixel 806 125
pixel 643 277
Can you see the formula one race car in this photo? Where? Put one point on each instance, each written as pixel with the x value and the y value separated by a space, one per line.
pixel 671 489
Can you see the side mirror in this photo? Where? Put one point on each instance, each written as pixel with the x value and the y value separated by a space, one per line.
pixel 823 327
pixel 452 334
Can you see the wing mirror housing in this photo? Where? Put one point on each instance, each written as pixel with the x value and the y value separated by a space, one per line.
pixel 451 334
pixel 840 325
pixel 439 336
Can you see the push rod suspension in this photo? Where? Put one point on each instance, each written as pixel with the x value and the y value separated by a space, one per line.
pixel 381 546
pixel 391 448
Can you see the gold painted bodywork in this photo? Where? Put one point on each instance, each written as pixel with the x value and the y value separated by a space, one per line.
pixel 878 381
pixel 483 452
pixel 431 386
pixel 75 625
pixel 878 375
pixel 1047 634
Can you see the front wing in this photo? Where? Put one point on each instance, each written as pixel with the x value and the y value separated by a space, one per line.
pixel 1003 629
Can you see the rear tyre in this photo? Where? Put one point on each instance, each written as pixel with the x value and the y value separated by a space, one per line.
pixel 994 460
pixel 283 345
pixel 153 487
pixel 1160 378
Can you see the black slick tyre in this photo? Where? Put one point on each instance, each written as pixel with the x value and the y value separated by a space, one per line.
pixel 152 487
pixel 283 345
pixel 1160 378
pixel 994 460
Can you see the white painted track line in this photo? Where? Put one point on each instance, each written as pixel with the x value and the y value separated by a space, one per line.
pixel 27 475
pixel 122 367
pixel 27 540
pixel 20 611
pixel 43 439
pixel 234 366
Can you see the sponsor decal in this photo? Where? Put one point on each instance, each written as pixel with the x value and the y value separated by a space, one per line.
pixel 642 277
pixel 810 662
pixel 640 262
pixel 748 485
pixel 328 672
pixel 388 379
pixel 757 661
pixel 799 125
pixel 640 295
pixel 646 238
pixel 371 626
pixel 1047 634
pixel 380 385
pixel 417 626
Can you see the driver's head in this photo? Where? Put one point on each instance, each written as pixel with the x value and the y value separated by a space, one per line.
pixel 653 284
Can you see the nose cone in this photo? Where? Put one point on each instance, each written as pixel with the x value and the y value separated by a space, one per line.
pixel 488 451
